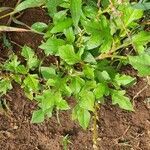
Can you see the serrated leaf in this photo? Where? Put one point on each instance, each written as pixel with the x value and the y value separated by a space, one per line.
pixel 90 11
pixel 39 26
pixel 17 79
pixel 51 46
pixel 27 52
pixel 31 82
pixel 12 64
pixel 76 84
pixel 101 90
pixel 5 85
pixel 37 116
pixel 141 63
pixel 59 16
pixel 142 6
pixel 52 6
pixel 31 58
pixel 123 79
pixel 103 76
pixel 94 41
pixel 22 69
pixel 47 72
pixel 106 45
pixel 88 57
pixel 82 115
pixel 76 10
pixel 63 105
pixel 69 35
pixel 118 97
pixel 130 14
pixel 88 71
pixel 84 118
pixel 46 100
pixel 89 85
pixel 68 54
pixel 87 100
pixel 60 26
pixel 140 40
pixel 29 4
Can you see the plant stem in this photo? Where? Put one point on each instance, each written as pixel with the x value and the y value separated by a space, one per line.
pixel 95 127
pixel 122 22
pixel 103 56
pixel 6 15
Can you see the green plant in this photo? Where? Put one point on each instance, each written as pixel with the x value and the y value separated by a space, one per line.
pixel 65 142
pixel 90 41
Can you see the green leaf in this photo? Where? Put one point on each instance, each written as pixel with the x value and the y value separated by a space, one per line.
pixel 141 63
pixel 76 10
pixel 92 26
pixel 52 6
pixel 69 35
pixel 37 116
pixel 102 76
pixel 68 54
pixel 39 26
pixel 88 57
pixel 46 100
pixel 76 84
pixel 89 85
pixel 28 93
pixel 51 82
pixel 27 52
pixel 60 102
pixel 31 82
pixel 87 100
pixel 47 72
pixel 12 64
pixel 84 118
pixel 142 6
pixel 59 16
pixel 90 11
pixel 123 101
pixel 123 79
pixel 100 34
pixel 31 58
pixel 63 105
pixel 51 46
pixel 29 4
pixel 140 40
pixel 17 78
pixel 82 115
pixel 88 71
pixel 5 85
pixel 130 14
pixel 94 41
pixel 60 26
pixel 106 45
pixel 101 90
pixel 49 112
pixel 22 69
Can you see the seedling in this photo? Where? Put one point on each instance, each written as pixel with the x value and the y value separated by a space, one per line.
pixel 66 141
pixel 89 42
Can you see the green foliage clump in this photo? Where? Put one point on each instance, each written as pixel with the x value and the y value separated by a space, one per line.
pixel 89 41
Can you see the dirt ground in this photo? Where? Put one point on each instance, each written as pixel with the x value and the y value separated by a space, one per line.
pixel 117 129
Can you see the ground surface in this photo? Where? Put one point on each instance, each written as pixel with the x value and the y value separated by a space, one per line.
pixel 118 130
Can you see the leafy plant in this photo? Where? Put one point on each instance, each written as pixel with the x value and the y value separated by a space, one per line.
pixel 89 42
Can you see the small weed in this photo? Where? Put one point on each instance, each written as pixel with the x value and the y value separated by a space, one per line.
pixel 66 141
